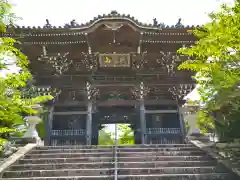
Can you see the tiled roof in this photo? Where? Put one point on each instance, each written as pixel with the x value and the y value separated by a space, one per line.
pixel 114 15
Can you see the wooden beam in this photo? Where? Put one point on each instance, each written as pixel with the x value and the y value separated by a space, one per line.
pixel 160 111
pixel 88 43
pixel 118 102
pixel 70 113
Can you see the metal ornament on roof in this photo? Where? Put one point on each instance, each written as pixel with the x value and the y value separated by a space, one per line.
pixel 59 61
pixel 91 91
pixel 179 92
pixel 90 61
pixel 169 61
pixel 72 24
pixel 140 91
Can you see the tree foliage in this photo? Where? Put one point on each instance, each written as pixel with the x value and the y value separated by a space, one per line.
pixel 126 136
pixel 205 122
pixel 13 104
pixel 105 138
pixel 215 58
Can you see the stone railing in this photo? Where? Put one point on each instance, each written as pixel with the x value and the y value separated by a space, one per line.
pixel 226 154
pixel 7 162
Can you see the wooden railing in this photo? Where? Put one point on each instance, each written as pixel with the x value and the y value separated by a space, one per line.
pixel 69 132
pixel 66 142
pixel 164 135
pixel 163 131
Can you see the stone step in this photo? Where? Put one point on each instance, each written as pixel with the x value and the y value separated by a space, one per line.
pixel 138 162
pixel 110 171
pixel 119 154
pixel 111 159
pixel 87 165
pixel 209 176
pixel 126 146
pixel 43 151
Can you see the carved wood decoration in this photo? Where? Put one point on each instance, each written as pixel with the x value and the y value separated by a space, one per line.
pixel 138 60
pixel 114 60
pixel 34 91
pixel 59 61
pixel 168 60
pixel 91 92
pixel 113 26
pixel 180 91
pixel 56 93
pixel 140 91
pixel 88 60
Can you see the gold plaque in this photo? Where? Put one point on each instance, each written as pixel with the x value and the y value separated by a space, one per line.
pixel 114 60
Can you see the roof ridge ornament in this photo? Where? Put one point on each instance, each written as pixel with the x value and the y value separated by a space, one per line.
pixel 72 24
pixel 113 15
pixel 114 12
pixel 47 25
pixel 179 24
pixel 158 25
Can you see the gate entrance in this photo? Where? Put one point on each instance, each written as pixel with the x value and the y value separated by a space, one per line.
pixel 112 69
pixel 116 134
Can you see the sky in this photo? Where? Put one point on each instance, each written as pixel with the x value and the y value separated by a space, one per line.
pixel 59 12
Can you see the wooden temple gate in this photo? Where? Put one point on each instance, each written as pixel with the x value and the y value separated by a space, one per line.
pixel 111 69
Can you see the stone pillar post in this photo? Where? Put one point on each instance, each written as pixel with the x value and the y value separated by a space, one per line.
pixel 89 123
pixel 192 121
pixel 191 117
pixel 48 124
pixel 142 121
pixel 182 122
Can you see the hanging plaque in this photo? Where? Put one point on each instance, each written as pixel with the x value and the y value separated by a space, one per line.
pixel 114 60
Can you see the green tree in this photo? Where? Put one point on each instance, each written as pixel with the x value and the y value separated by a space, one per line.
pixel 105 138
pixel 215 59
pixel 205 122
pixel 12 99
pixel 126 136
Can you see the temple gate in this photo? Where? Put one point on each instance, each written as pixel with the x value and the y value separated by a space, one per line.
pixel 112 69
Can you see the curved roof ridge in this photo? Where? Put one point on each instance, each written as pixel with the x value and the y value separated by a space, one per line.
pixel 113 15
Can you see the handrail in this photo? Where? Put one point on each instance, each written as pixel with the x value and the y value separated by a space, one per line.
pixel 115 155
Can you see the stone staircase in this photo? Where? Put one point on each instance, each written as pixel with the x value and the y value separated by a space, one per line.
pixel 140 162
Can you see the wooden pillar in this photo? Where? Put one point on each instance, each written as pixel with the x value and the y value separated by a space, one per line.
pixel 142 121
pixel 95 129
pixel 48 125
pixel 89 123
